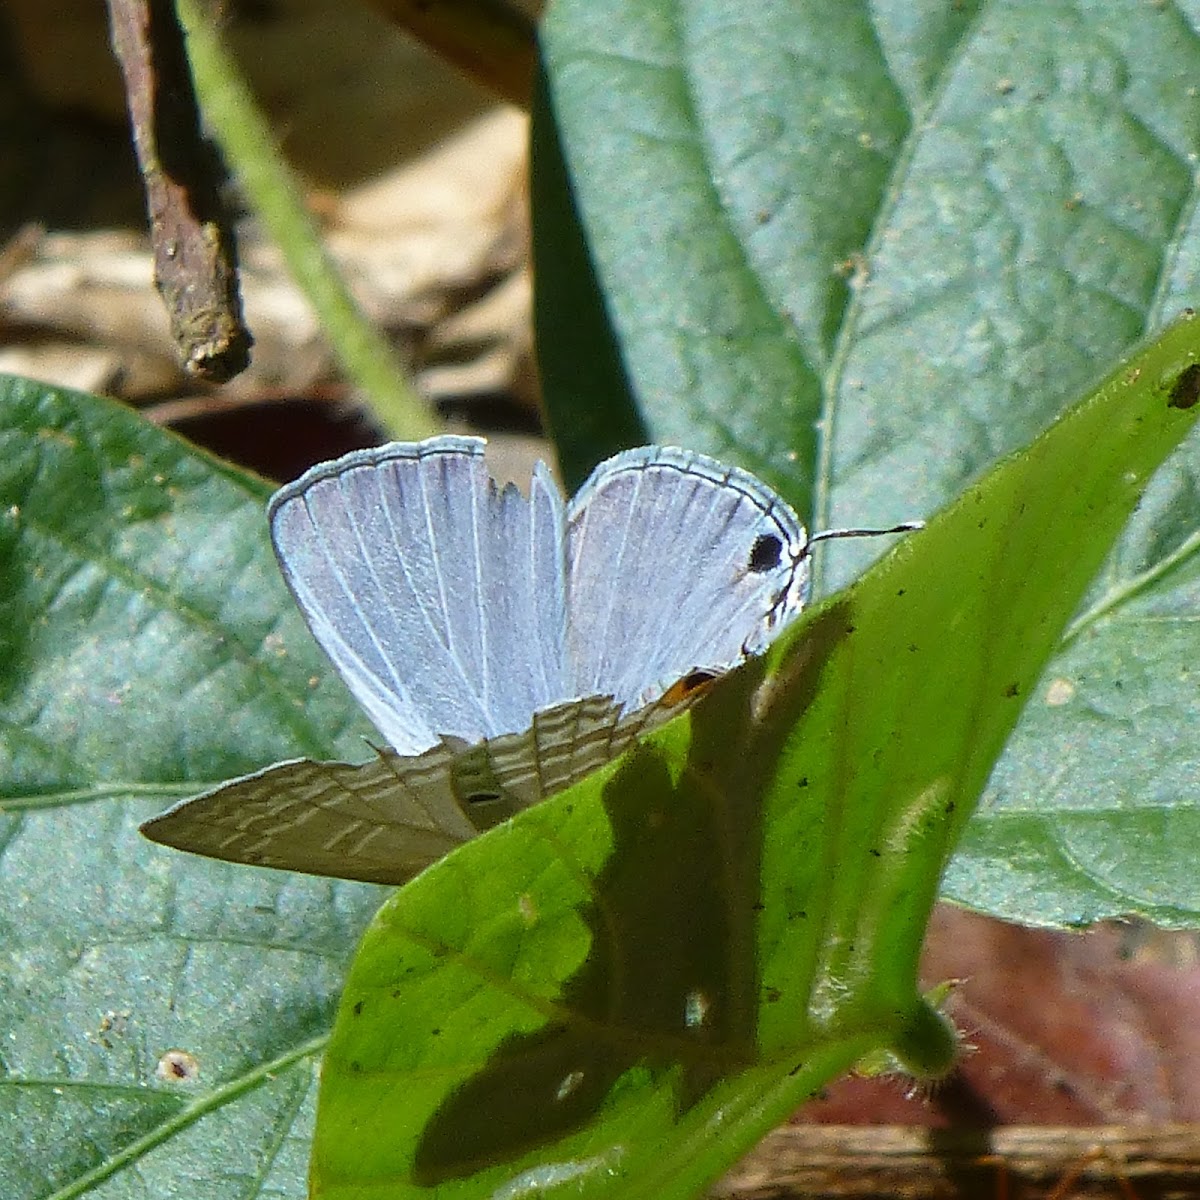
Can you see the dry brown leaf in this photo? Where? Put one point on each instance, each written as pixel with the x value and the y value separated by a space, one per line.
pixel 435 252
pixel 1067 1028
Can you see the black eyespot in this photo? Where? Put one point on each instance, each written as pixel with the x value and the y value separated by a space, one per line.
pixel 765 553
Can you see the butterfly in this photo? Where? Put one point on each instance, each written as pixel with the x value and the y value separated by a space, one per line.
pixel 505 645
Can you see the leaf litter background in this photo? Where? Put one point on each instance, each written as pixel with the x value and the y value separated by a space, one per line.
pixel 1022 207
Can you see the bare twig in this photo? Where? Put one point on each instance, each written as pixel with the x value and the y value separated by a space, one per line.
pixel 195 257
pixel 20 249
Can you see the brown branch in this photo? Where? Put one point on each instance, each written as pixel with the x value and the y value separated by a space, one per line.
pixel 195 256
pixel 864 1162
pixel 492 41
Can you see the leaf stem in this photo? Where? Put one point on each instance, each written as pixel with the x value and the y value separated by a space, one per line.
pixel 188 1115
pixel 1119 595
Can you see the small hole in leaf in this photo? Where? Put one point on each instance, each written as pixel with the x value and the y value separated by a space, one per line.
pixel 178 1066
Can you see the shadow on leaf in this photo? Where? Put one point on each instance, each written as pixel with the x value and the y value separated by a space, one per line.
pixel 671 983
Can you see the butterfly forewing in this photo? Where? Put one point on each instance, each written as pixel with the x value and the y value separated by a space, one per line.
pixel 426 584
pixel 675 562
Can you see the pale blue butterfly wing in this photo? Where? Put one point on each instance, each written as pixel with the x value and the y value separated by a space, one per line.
pixel 504 647
pixel 429 587
pixel 676 563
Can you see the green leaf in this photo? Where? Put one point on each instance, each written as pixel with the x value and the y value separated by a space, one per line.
pixel 916 230
pixel 149 646
pixel 865 253
pixel 578 356
pixel 916 236
pixel 619 991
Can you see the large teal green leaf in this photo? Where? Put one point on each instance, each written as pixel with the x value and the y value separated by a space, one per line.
pixel 578 354
pixel 865 251
pixel 619 991
pixel 150 646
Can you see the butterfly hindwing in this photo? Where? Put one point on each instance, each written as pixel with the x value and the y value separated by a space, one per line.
pixel 675 562
pixel 386 820
pixel 368 822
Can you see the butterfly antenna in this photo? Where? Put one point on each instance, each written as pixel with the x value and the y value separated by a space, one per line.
pixel 830 534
